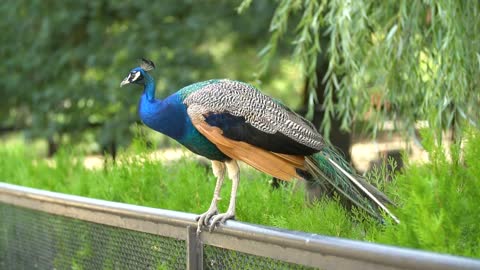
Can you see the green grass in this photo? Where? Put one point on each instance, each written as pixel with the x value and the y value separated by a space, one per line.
pixel 438 202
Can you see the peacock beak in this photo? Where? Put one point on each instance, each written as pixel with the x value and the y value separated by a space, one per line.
pixel 125 81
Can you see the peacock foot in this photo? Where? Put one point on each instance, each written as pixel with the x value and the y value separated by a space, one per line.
pixel 221 218
pixel 204 218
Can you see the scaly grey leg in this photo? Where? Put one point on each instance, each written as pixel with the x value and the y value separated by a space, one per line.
pixel 234 174
pixel 219 171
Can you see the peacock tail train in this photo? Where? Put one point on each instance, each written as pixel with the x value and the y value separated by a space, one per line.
pixel 332 172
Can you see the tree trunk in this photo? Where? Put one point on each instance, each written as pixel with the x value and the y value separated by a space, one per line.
pixel 338 137
pixel 52 146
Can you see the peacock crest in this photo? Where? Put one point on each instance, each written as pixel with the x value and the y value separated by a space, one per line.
pixel 147 64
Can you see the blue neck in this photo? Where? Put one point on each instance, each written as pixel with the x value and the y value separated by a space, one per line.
pixel 149 87
pixel 170 117
pixel 167 116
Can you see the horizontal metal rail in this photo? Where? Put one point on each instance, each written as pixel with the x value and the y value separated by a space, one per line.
pixel 289 246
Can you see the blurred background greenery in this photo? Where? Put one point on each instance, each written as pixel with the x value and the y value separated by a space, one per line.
pixel 348 65
pixel 63 62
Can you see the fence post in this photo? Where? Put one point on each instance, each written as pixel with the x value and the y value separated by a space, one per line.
pixel 194 250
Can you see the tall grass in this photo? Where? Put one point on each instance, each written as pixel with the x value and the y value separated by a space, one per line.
pixel 437 202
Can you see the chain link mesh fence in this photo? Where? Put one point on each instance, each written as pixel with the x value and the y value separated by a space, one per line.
pixel 215 258
pixel 46 230
pixel 31 239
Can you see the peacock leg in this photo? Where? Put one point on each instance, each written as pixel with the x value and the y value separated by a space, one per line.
pixel 219 171
pixel 234 174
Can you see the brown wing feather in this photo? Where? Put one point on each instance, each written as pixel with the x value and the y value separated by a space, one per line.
pixel 281 166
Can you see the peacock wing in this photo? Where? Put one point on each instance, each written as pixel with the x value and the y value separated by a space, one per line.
pixel 244 114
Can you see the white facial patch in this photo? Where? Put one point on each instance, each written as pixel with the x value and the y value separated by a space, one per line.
pixel 135 76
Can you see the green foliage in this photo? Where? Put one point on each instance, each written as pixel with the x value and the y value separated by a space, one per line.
pixel 63 60
pixel 419 59
pixel 437 201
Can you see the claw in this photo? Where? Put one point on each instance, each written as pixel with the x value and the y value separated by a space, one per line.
pixel 220 218
pixel 204 218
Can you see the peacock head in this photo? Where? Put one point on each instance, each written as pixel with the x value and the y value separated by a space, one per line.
pixel 138 74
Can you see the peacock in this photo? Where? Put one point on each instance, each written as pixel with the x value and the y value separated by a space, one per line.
pixel 228 121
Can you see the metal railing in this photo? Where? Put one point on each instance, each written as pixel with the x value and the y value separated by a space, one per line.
pixel 297 248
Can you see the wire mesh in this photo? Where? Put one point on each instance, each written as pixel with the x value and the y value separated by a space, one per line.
pixel 31 239
pixel 218 258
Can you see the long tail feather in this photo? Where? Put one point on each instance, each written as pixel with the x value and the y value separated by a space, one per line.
pixel 330 170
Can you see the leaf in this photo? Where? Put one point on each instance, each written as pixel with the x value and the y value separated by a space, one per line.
pixel 392 32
